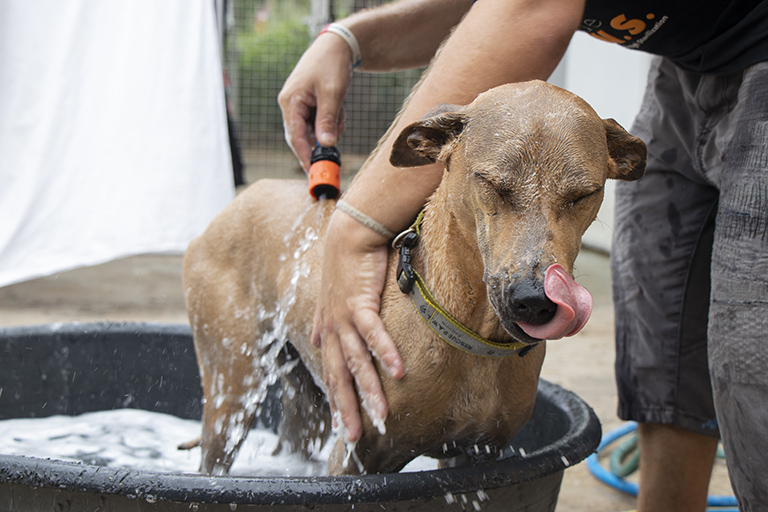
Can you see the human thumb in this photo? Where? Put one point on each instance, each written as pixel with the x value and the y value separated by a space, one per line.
pixel 327 126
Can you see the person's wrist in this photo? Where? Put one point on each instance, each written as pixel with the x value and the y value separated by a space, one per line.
pixel 344 34
pixel 349 231
pixel 365 219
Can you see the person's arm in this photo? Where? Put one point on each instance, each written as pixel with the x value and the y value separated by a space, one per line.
pixel 399 35
pixel 499 41
pixel 404 34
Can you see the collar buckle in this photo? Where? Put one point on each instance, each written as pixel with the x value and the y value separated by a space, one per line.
pixel 405 274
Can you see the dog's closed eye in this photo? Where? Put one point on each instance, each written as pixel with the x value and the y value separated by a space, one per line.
pixel 490 190
pixel 575 199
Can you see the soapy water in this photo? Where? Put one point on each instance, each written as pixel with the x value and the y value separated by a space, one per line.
pixel 148 441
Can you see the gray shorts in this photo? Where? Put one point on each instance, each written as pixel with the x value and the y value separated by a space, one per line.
pixel 690 267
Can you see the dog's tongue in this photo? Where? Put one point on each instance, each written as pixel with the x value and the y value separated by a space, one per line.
pixel 574 305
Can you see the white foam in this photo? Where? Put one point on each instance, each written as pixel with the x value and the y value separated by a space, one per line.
pixel 148 441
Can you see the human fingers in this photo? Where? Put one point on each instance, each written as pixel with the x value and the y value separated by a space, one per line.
pixel 368 383
pixel 311 98
pixel 329 113
pixel 378 341
pixel 341 392
pixel 298 124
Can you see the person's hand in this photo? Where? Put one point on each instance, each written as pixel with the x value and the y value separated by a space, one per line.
pixel 348 327
pixel 312 97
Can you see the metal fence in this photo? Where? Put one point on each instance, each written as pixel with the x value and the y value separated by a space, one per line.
pixel 263 40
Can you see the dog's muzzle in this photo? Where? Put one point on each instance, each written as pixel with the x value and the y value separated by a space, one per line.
pixel 527 302
pixel 551 308
pixel 574 306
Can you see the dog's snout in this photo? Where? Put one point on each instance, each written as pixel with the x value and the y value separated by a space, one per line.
pixel 529 303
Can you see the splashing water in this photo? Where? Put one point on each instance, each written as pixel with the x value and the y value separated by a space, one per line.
pixel 270 342
pixel 267 369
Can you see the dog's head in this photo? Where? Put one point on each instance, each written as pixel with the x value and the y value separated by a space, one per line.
pixel 526 168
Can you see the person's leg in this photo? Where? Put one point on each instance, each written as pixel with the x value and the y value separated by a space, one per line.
pixel 661 322
pixel 660 260
pixel 738 324
pixel 675 468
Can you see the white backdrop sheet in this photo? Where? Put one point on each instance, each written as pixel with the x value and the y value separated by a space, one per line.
pixel 113 135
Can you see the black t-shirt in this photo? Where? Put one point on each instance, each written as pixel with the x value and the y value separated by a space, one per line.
pixel 702 37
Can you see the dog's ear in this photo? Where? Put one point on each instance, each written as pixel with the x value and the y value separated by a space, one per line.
pixel 628 153
pixel 421 143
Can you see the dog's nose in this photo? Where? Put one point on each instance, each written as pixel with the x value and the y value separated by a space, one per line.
pixel 529 303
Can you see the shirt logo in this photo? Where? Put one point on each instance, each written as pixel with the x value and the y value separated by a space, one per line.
pixel 631 33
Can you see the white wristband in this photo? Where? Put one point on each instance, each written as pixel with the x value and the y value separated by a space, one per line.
pixel 364 219
pixel 344 33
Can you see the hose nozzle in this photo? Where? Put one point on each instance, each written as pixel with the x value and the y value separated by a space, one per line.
pixel 325 172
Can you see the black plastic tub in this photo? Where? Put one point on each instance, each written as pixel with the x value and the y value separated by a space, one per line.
pixel 77 368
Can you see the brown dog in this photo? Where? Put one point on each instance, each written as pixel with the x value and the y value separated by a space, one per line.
pixel 525 169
